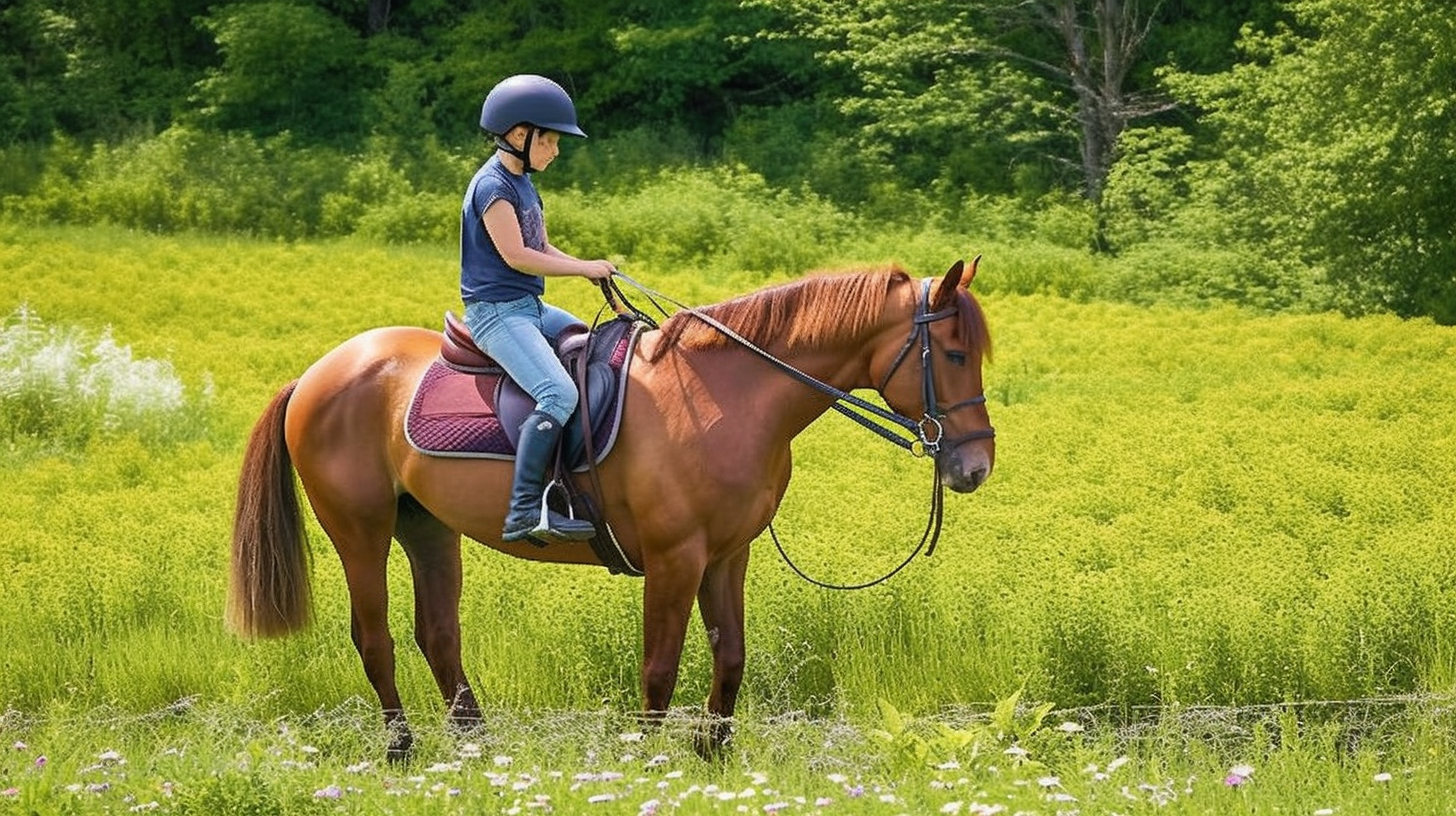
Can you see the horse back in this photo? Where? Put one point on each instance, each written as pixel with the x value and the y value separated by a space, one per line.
pixel 354 397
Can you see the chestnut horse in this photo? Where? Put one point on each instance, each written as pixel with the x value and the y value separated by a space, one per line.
pixel 699 467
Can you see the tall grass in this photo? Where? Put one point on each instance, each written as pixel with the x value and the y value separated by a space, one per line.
pixel 1190 508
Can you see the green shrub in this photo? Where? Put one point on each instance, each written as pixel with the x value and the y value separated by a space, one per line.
pixel 1180 272
pixel 637 201
pixel 419 218
pixel 726 217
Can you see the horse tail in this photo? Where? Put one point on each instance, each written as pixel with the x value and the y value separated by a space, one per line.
pixel 268 594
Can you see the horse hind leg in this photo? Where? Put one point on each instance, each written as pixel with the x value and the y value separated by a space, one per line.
pixel 434 555
pixel 362 543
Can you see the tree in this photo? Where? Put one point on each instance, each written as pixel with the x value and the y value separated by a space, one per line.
pixel 32 63
pixel 1101 42
pixel 285 66
pixel 1334 145
pixel 1036 76
pixel 97 68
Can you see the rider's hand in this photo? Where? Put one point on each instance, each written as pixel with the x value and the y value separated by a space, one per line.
pixel 598 270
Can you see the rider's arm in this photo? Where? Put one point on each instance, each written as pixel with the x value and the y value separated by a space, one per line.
pixel 505 232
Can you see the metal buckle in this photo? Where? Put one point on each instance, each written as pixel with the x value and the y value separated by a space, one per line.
pixel 929 445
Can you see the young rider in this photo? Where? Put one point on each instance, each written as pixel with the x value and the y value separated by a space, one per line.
pixel 505 255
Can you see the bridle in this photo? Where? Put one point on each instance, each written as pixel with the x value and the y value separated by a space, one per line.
pixel 934 411
pixel 925 435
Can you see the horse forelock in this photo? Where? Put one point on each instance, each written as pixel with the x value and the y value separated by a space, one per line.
pixel 811 312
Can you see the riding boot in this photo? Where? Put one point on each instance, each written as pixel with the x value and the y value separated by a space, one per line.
pixel 529 517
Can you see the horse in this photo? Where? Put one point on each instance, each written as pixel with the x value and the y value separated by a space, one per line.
pixel 701 462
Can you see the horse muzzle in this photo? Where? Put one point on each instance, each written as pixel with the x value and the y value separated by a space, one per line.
pixel 963 469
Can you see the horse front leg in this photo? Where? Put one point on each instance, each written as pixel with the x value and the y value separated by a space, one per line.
pixel 720 601
pixel 670 582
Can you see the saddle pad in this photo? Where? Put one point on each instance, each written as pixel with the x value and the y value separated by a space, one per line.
pixel 453 414
pixel 463 414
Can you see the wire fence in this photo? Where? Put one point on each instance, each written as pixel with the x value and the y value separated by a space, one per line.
pixel 1354 722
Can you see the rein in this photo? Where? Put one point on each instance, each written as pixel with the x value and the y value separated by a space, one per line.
pixel 927 434
pixel 928 445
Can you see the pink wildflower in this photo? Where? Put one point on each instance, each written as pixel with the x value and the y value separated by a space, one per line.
pixel 1238 775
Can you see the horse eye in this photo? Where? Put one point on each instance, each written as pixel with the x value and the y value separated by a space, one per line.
pixel 956 357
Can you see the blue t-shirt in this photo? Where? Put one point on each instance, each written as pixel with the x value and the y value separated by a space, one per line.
pixel 484 274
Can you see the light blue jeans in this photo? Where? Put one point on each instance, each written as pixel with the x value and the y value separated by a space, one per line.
pixel 514 333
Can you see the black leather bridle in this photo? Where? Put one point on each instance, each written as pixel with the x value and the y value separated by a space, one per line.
pixel 934 411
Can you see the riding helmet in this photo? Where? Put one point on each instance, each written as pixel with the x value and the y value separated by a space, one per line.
pixel 528 99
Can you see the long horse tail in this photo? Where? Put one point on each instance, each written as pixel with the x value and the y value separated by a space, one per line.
pixel 268 594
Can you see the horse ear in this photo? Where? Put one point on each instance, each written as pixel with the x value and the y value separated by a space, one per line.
pixel 975 264
pixel 948 286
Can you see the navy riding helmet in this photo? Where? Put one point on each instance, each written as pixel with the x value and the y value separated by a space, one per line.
pixel 527 99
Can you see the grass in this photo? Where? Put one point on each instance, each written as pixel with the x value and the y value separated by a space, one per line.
pixel 1193 511
pixel 194 757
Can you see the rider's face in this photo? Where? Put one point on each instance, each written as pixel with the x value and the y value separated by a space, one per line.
pixel 544 148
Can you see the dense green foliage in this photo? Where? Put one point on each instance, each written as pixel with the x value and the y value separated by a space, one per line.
pixel 1225 150
pixel 1190 507
pixel 1345 164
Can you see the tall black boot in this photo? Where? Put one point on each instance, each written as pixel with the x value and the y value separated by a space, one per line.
pixel 529 517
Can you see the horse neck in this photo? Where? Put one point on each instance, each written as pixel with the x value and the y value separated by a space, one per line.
pixel 770 395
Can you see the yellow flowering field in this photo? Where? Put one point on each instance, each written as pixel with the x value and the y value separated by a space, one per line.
pixel 1190 508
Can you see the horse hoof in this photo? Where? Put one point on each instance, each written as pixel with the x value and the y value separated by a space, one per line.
pixel 466 722
pixel 713 740
pixel 401 748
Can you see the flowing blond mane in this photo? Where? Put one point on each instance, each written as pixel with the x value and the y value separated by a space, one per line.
pixel 811 312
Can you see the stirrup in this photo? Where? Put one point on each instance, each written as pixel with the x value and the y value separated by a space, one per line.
pixel 552 527
pixel 567 527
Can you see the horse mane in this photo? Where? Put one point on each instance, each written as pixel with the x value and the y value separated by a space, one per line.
pixel 973 326
pixel 811 312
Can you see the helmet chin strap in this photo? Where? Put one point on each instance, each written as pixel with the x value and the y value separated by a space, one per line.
pixel 524 153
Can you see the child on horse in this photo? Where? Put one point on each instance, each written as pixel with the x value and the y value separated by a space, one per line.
pixel 505 255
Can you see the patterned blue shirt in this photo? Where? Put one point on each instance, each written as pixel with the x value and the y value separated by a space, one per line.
pixel 484 274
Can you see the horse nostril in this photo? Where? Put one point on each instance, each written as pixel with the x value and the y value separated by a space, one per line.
pixel 965 480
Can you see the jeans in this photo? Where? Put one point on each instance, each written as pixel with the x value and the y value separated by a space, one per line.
pixel 514 334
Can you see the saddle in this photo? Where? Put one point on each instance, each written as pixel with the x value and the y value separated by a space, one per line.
pixel 466 406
